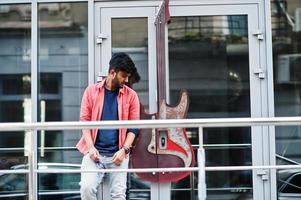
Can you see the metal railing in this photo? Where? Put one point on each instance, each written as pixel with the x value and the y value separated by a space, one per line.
pixel 183 123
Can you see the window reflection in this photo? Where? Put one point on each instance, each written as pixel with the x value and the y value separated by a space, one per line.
pixel 208 56
pixel 130 35
pixel 287 82
pixel 15 78
pixel 15 90
pixel 63 75
pixel 286 30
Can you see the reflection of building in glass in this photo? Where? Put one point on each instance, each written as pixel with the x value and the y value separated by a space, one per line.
pixel 286 24
pixel 15 78
pixel 209 55
pixel 62 70
pixel 130 35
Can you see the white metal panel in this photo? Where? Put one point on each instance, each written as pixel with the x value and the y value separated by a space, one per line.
pixel 91 64
pixel 39 1
pixel 213 2
pixel 267 58
pixel 127 4
pixel 16 1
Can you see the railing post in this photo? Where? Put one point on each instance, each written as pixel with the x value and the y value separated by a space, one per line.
pixel 32 166
pixel 201 165
pixel 32 157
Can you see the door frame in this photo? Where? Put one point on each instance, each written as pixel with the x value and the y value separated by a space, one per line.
pixel 261 153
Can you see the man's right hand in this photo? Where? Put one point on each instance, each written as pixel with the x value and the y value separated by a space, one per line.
pixel 94 154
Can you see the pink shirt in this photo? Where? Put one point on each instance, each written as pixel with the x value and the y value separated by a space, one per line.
pixel 91 109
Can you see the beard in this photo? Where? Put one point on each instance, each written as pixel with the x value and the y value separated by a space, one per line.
pixel 116 83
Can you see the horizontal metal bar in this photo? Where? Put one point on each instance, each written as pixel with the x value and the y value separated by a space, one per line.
pixel 229 146
pixel 181 189
pixel 140 170
pixel 154 170
pixel 62 192
pixel 222 145
pixel 5 2
pixel 178 169
pixel 13 149
pixel 58 148
pixel 242 168
pixel 229 188
pixel 59 164
pixel 185 123
pixel 45 148
pixel 139 190
pixel 60 1
pixel 15 194
pixel 211 146
pixel 14 171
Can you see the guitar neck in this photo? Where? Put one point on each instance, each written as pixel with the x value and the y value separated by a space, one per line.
pixel 160 23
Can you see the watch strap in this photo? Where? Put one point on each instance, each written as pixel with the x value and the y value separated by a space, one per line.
pixel 126 149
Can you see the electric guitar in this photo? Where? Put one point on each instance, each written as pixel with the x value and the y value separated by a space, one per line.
pixel 163 147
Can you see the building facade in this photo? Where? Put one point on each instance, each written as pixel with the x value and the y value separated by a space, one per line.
pixel 236 58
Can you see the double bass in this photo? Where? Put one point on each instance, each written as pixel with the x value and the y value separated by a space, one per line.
pixel 163 147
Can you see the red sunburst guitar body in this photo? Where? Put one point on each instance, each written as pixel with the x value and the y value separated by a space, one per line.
pixel 164 147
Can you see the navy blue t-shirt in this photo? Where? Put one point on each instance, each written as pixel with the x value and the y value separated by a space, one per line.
pixel 107 140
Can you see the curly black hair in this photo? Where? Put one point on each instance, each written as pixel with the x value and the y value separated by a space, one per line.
pixel 122 62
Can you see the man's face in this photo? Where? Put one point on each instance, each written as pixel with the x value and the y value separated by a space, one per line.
pixel 120 78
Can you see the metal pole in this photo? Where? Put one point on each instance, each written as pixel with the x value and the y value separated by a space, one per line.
pixel 32 166
pixel 201 165
pixel 185 123
pixel 32 150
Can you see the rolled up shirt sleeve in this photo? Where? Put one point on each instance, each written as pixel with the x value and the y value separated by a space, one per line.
pixel 133 130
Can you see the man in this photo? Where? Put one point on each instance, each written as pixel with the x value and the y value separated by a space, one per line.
pixel 110 99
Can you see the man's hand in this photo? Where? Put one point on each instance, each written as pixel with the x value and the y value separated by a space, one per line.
pixel 94 154
pixel 119 156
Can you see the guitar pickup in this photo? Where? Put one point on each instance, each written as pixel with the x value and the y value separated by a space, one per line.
pixel 162 140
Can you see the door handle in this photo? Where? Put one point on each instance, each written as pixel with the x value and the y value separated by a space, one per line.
pixel 259 72
pixel 101 37
pixel 263 173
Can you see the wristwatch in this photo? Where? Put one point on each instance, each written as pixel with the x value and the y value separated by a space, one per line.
pixel 126 149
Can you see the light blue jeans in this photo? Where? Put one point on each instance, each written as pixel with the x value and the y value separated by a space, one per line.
pixel 96 186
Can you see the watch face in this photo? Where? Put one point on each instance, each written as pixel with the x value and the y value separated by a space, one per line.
pixel 126 150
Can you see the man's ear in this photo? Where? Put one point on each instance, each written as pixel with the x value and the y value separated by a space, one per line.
pixel 111 72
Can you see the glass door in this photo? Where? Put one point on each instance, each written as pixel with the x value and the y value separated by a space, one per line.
pixel 213 52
